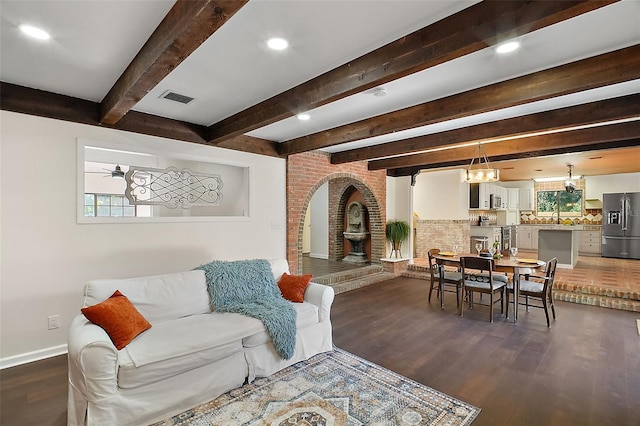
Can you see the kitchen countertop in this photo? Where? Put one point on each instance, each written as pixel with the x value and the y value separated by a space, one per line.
pixel 548 226
pixel 562 228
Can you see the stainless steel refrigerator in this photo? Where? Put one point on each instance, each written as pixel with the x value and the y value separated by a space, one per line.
pixel 621 225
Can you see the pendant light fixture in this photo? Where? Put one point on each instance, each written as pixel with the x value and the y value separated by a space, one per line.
pixel 480 173
pixel 569 184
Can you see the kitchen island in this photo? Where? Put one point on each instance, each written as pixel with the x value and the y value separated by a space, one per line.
pixel 561 242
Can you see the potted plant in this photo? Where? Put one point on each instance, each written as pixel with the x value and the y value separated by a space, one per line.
pixel 397 231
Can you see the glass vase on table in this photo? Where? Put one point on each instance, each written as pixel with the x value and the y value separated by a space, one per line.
pixel 478 247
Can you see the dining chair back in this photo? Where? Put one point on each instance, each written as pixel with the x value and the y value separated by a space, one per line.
pixel 452 279
pixel 478 276
pixel 539 288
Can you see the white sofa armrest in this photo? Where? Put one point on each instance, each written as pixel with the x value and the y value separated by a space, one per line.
pixel 321 296
pixel 93 360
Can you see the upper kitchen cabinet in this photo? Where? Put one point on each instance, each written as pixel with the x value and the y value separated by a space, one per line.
pixel 479 195
pixel 513 198
pixel 503 193
pixel 525 198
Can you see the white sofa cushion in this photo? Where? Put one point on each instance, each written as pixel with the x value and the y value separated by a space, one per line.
pixel 173 347
pixel 158 298
pixel 279 267
pixel 306 315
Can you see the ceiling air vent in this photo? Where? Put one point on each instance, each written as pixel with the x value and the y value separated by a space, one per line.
pixel 177 97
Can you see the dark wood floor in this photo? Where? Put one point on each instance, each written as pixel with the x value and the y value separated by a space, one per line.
pixel 320 267
pixel 35 393
pixel 584 370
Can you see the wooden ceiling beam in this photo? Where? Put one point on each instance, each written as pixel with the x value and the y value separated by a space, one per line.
pixel 526 147
pixel 593 112
pixel 187 25
pixel 628 143
pixel 30 101
pixel 483 24
pixel 598 71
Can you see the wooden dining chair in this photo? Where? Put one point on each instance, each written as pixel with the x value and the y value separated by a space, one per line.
pixel 452 279
pixel 479 277
pixel 539 288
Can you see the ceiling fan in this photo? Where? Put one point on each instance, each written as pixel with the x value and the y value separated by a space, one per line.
pixel 117 172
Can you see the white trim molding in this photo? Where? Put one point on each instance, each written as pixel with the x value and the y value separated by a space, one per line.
pixel 28 357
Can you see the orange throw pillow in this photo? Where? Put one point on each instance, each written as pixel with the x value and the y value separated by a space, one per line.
pixel 292 287
pixel 119 318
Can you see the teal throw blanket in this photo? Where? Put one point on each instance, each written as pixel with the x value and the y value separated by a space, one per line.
pixel 247 287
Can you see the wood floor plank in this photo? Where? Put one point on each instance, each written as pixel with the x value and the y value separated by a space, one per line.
pixel 584 370
pixel 577 372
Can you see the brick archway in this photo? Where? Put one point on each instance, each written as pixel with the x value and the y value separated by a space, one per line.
pixel 341 185
pixel 306 172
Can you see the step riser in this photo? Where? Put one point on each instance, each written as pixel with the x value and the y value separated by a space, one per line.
pixel 602 301
pixel 352 274
pixel 344 286
pixel 591 291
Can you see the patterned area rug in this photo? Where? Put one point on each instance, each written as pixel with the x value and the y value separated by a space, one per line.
pixel 334 388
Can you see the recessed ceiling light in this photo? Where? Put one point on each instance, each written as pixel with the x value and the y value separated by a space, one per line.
pixel 277 43
pixel 507 47
pixel 34 32
pixel 303 116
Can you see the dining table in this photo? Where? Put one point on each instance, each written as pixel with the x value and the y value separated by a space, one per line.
pixel 508 264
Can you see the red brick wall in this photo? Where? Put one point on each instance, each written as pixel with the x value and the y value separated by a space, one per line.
pixel 308 171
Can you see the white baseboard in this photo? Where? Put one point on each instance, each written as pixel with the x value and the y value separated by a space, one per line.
pixel 319 256
pixel 28 357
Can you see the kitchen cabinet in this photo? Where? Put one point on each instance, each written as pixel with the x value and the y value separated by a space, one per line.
pixel 479 195
pixel 525 199
pixel 504 196
pixel 513 201
pixel 534 237
pixel 590 242
pixel 527 237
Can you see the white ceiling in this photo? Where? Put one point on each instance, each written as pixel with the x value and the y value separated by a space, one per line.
pixel 93 42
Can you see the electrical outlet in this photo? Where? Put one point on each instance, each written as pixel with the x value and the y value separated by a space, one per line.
pixel 54 321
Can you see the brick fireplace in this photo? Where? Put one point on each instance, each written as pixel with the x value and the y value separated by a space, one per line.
pixel 306 172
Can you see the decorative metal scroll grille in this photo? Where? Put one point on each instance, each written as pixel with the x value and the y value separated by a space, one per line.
pixel 172 188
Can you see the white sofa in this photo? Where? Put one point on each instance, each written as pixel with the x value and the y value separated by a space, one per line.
pixel 189 356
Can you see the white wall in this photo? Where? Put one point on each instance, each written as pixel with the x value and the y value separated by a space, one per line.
pixel 522 184
pixel 625 182
pixel 399 199
pixel 400 205
pixel 441 195
pixel 319 208
pixel 306 233
pixel 46 256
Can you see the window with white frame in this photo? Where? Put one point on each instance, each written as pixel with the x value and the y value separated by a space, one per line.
pixel 107 205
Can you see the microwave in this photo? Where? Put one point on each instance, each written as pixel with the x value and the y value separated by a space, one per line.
pixel 495 201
